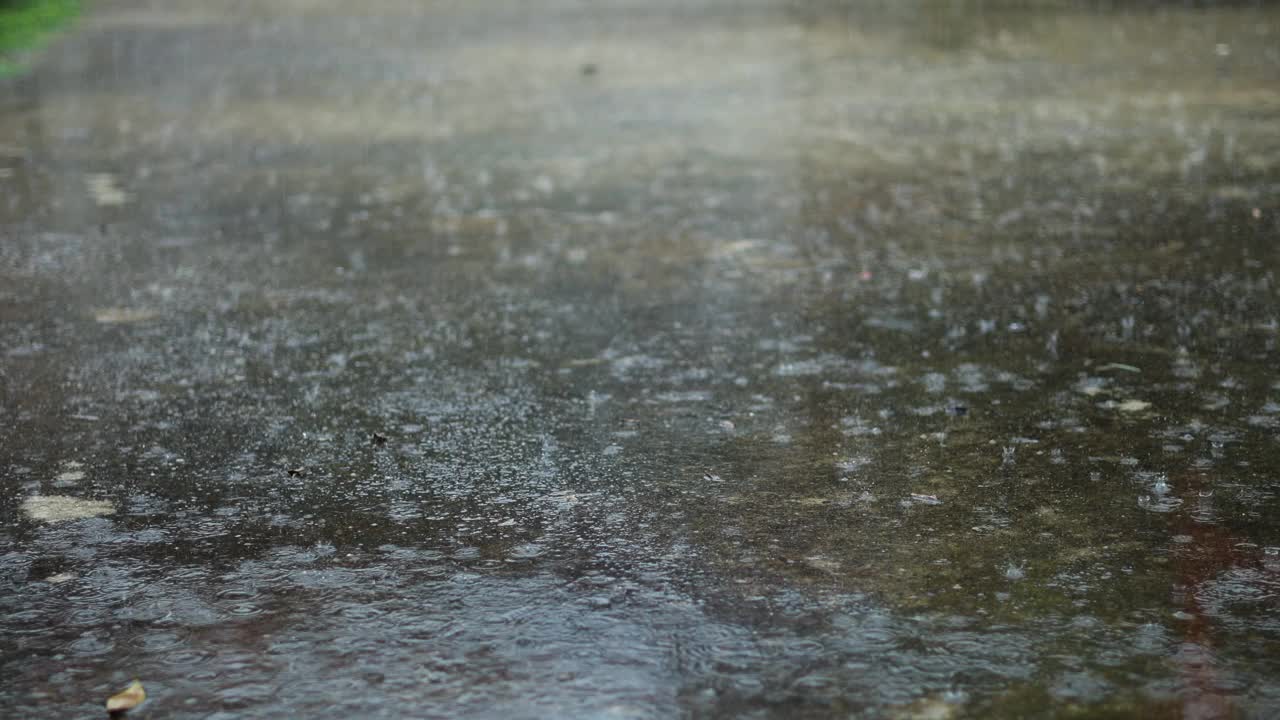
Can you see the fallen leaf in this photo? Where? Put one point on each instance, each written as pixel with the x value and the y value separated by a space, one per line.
pixel 56 508
pixel 810 501
pixel 104 189
pixel 927 709
pixel 123 315
pixel 823 563
pixel 127 699
pixel 1133 406
pixel 1120 366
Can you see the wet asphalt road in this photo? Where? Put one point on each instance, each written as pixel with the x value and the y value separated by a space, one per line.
pixel 630 360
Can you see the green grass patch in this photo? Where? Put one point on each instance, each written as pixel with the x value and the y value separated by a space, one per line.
pixel 25 24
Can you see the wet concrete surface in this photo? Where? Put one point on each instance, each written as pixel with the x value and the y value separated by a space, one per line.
pixel 628 360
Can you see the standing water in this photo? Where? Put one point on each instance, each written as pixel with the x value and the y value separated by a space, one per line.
pixel 642 360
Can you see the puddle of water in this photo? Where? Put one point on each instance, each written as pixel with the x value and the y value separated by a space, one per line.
pixel 794 361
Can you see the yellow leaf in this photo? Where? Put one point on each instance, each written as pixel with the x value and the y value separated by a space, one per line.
pixel 127 699
pixel 1133 405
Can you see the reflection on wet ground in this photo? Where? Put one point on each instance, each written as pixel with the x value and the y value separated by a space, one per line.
pixel 642 360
